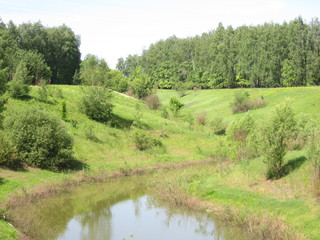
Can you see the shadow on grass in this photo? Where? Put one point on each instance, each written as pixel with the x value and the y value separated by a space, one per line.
pixel 72 165
pixel 119 122
pixel 1 181
pixel 292 165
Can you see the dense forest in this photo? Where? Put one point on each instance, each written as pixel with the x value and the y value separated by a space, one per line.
pixel 269 55
pixel 42 53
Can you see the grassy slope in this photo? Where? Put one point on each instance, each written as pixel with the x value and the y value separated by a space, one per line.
pixel 243 187
pixel 110 148
pixel 113 149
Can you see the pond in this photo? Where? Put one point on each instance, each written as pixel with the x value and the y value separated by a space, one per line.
pixel 118 210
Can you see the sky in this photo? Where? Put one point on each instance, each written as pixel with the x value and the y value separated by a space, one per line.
pixel 111 29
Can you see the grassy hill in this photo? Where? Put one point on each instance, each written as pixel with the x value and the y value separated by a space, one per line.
pixel 110 148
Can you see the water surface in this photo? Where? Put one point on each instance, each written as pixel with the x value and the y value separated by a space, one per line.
pixel 118 210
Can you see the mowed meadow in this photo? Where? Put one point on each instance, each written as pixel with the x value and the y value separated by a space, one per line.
pixel 237 187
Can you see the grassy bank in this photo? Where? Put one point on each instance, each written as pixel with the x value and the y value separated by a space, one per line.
pixel 239 191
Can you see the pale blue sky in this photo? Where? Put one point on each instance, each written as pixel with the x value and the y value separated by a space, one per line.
pixel 115 28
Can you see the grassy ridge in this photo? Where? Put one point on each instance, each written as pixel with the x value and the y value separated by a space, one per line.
pixel 107 148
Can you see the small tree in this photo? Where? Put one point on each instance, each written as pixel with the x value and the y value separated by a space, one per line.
pixel 175 105
pixel 19 86
pixel 140 83
pixel 96 104
pixel 276 133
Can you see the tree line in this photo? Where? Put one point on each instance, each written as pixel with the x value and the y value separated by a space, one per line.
pixel 42 53
pixel 268 55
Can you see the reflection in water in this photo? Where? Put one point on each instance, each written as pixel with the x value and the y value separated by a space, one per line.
pixel 144 220
pixel 115 211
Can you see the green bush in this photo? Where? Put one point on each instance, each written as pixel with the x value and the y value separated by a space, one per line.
pixel 218 126
pixel 96 104
pixel 19 86
pixel 239 135
pixel 276 133
pixel 175 105
pixel 8 153
pixel 40 138
pixel 153 102
pixel 143 140
pixel 242 102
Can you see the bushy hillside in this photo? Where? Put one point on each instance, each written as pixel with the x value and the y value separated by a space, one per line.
pixel 103 148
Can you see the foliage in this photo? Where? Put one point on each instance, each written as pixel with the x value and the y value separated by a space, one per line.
pixel 153 102
pixel 242 102
pixel 40 138
pixel 239 134
pixel 144 140
pixel 266 55
pixel 8 153
pixel 43 93
pixel 218 126
pixel 94 71
pixel 64 110
pixel 140 83
pixel 276 134
pixel 175 105
pixel 96 104
pixel 19 86
pixel 117 81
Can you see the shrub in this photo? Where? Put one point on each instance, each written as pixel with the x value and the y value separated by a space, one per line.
pixel 175 105
pixel 242 102
pixel 19 86
pixel 218 126
pixel 3 102
pixel 40 138
pixel 143 140
pixel 96 104
pixel 239 134
pixel 43 93
pixel 8 153
pixel 64 110
pixel 153 102
pixel 275 135
pixel 164 112
pixel 202 118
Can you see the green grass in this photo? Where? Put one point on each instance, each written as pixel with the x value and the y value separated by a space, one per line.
pixel 106 148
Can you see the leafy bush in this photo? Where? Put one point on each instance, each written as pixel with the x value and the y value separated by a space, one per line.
pixel 218 126
pixel 140 83
pixel 19 86
pixel 96 104
pixel 40 138
pixel 153 102
pixel 8 153
pixel 43 93
pixel 277 132
pixel 3 102
pixel 239 134
pixel 242 102
pixel 143 140
pixel 175 105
